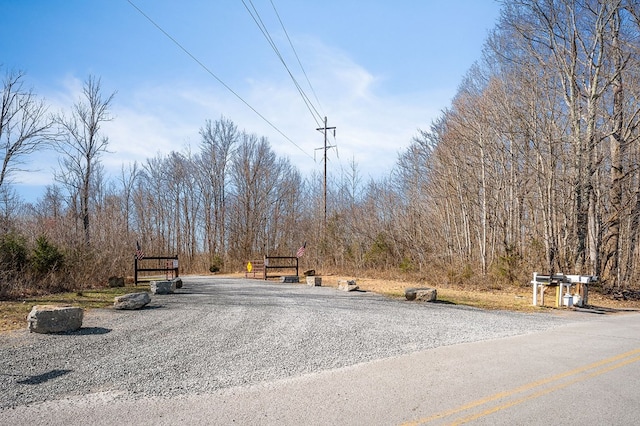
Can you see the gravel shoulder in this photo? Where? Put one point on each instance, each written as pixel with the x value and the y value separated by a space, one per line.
pixel 219 333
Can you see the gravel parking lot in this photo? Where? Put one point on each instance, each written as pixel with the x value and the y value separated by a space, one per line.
pixel 217 333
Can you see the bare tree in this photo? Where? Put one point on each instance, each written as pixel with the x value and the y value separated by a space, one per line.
pixel 81 144
pixel 253 176
pixel 152 204
pixel 616 145
pixel 218 142
pixel 24 124
pixel 264 190
pixel 128 177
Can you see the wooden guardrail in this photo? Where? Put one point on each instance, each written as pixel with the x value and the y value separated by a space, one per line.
pixel 279 263
pixel 261 268
pixel 164 264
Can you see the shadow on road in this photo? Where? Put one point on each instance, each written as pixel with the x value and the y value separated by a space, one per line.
pixel 87 331
pixel 601 310
pixel 41 378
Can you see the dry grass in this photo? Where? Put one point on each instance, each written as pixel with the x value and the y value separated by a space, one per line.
pixel 510 298
pixel 14 313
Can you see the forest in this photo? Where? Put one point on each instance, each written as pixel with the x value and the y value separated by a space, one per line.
pixel 533 167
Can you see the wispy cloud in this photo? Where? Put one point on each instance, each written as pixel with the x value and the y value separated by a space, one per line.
pixel 372 126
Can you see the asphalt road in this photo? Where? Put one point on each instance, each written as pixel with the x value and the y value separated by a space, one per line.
pixel 583 369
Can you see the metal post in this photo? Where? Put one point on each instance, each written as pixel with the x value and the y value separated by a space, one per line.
pixel 264 267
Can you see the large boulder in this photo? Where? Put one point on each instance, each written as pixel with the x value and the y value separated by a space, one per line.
pixel 347 285
pixel 132 301
pixel 289 279
pixel 421 294
pixel 54 319
pixel 162 287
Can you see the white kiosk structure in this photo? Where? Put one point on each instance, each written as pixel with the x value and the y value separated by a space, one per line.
pixel 563 285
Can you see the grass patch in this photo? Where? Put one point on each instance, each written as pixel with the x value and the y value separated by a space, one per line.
pixel 488 300
pixel 511 299
pixel 14 313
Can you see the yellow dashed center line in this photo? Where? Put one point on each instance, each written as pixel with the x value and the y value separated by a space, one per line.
pixel 533 385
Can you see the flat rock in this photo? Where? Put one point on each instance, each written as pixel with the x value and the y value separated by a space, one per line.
pixel 421 294
pixel 132 301
pixel 162 287
pixel 54 319
pixel 347 285
pixel 290 279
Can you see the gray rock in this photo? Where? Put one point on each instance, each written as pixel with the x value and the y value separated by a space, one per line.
pixel 162 287
pixel 347 285
pixel 314 281
pixel 289 279
pixel 54 319
pixel 421 294
pixel 178 282
pixel 132 301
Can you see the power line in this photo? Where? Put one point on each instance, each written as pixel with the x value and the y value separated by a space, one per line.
pixel 265 32
pixel 296 55
pixel 203 66
pixel 323 128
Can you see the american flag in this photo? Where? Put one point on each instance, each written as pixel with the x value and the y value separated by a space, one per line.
pixel 301 250
pixel 139 252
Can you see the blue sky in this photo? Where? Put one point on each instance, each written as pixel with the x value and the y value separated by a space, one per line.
pixel 381 69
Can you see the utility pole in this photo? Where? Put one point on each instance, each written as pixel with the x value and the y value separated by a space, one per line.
pixel 326 147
